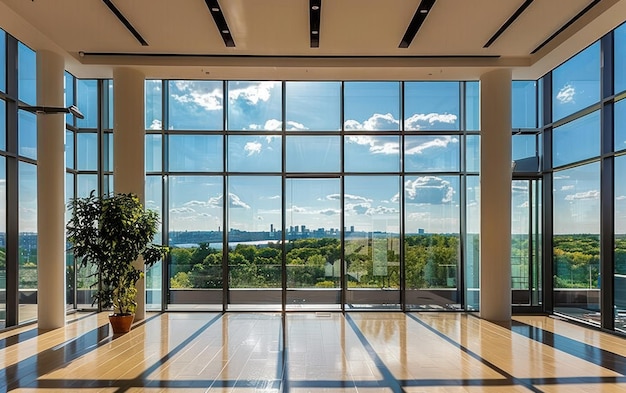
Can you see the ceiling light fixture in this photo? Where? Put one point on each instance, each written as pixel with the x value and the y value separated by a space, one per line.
pixel 48 110
pixel 220 22
pixel 125 22
pixel 422 11
pixel 508 23
pixel 315 11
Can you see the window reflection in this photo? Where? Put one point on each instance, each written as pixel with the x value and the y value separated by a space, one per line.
pixel 313 153
pixel 372 106
pixel 196 105
pixel 313 106
pixel 192 153
pixel 27 134
pixel 524 101
pixel 431 106
pixel 576 83
pixel 255 106
pixel 576 140
pixel 27 74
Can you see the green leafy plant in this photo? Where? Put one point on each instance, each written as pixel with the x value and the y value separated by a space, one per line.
pixel 110 233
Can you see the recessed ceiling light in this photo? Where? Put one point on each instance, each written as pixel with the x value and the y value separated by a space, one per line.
pixel 215 9
pixel 423 11
pixel 315 7
pixel 225 31
pixel 315 32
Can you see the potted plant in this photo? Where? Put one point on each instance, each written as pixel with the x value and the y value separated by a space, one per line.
pixel 110 233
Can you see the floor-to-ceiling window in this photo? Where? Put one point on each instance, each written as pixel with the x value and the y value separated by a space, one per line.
pixel 312 195
pixel 576 149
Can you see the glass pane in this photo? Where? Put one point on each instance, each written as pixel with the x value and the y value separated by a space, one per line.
pixel 69 95
pixel 27 134
pixel 431 106
pixel 108 151
pixel 27 263
pixel 371 106
pixel 313 154
pixel 154 152
pixel 314 106
pixel 254 153
pixel 432 241
pixel 3 124
pixel 313 222
pixel 576 140
pixel 520 228
pixel 70 267
pixel 154 105
pixel 472 153
pixel 3 246
pixel 472 244
pixel 190 153
pixel 524 146
pixel 26 74
pixel 576 242
pixel 372 246
pixel 196 105
pixel 576 83
pixel 371 153
pixel 619 43
pixel 107 100
pixel 154 275
pixel 195 234
pixel 620 245
pixel 3 61
pixel 87 101
pixel 85 184
pixel 255 106
pixel 431 153
pixel 87 151
pixel 69 149
pixel 472 106
pixel 254 243
pixel 620 125
pixel 524 104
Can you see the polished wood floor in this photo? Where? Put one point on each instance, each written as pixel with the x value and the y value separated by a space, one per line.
pixel 313 352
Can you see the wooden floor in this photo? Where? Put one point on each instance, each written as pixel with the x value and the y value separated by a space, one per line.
pixel 313 352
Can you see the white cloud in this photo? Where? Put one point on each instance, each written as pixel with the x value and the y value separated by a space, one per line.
pixel 297 209
pixel 295 126
pixel 565 188
pixel 182 210
pixel 587 195
pixel 376 146
pixel 195 203
pixel 330 212
pixel 198 94
pixel 252 94
pixel 426 120
pixel 439 142
pixel 252 148
pixel 348 198
pixel 566 94
pixel 377 122
pixel 620 198
pixel 233 202
pixel 156 125
pixel 428 190
pixel 270 125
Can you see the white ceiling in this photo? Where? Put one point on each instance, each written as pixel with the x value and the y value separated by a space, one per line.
pixel 358 38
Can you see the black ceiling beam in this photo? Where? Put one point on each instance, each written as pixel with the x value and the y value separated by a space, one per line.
pixel 565 26
pixel 315 11
pixel 220 22
pixel 422 11
pixel 508 23
pixel 125 22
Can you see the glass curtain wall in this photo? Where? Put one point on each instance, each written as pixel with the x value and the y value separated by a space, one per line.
pixel 321 179
pixel 578 186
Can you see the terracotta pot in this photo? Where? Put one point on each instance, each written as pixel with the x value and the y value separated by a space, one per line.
pixel 121 323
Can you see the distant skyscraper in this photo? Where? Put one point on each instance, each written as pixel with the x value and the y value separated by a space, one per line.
pixel 420 231
pixel 271 228
pixel 351 228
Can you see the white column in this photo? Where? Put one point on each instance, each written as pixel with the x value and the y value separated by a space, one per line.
pixel 495 195
pixel 128 148
pixel 50 193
